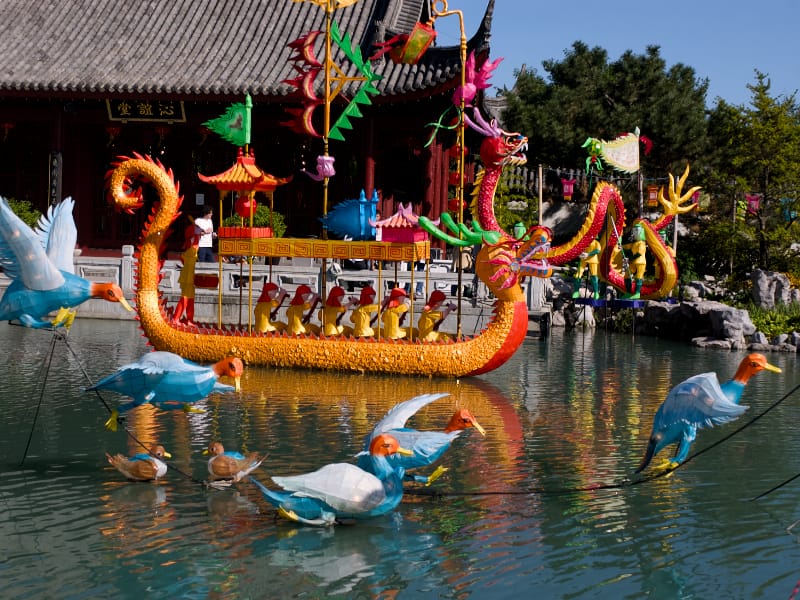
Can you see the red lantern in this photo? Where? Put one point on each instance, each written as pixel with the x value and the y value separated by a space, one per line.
pixel 452 179
pixel 246 206
pixel 452 205
pixel 753 203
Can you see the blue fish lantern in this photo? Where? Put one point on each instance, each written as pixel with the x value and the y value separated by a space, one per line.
pixel 351 219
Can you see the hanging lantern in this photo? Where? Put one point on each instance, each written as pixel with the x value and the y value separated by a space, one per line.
pixel 246 205
pixel 753 203
pixel 652 195
pixel 569 186
pixel 407 49
pixel 452 179
pixel 452 205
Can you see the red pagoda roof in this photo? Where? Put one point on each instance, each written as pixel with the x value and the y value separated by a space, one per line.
pixel 245 175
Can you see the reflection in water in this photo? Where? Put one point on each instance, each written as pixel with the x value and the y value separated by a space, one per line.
pixel 568 413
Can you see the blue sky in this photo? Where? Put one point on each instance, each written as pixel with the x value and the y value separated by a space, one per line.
pixel 723 41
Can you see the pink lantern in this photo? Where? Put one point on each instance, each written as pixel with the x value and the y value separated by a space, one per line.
pixel 569 186
pixel 753 203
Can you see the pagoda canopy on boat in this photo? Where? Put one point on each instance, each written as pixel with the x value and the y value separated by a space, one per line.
pixel 402 226
pixel 245 176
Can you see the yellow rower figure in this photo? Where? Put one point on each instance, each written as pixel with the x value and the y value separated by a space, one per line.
pixel 299 309
pixel 395 307
pixel 266 311
pixel 361 316
pixel 433 314
pixel 331 314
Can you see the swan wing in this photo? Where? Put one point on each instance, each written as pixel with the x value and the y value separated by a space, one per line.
pixel 22 255
pixel 400 413
pixel 59 235
pixel 344 487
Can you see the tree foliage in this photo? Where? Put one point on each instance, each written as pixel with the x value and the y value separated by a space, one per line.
pixel 756 150
pixel 584 95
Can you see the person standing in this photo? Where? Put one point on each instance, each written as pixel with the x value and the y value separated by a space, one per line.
pixel 205 228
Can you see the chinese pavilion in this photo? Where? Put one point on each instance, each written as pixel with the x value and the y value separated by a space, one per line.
pixel 80 87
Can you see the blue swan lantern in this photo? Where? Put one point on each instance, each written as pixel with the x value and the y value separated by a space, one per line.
pixel 40 265
pixel 699 402
pixel 342 492
pixel 168 381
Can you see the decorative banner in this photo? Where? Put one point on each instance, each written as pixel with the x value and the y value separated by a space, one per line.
pixel 345 44
pixel 569 186
pixel 234 125
pixel 753 203
pixel 789 215
pixel 308 67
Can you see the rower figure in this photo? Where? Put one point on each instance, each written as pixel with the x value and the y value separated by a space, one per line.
pixel 433 314
pixel 395 307
pixel 300 309
pixel 266 311
pixel 331 314
pixel 362 313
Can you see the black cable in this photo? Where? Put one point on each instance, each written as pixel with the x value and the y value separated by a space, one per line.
pixel 41 398
pixel 625 482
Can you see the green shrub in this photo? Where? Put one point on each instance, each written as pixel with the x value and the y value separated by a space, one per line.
pixel 261 218
pixel 25 211
pixel 775 321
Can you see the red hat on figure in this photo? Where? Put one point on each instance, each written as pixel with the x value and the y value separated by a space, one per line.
pixel 301 291
pixel 335 296
pixel 395 297
pixel 265 292
pixel 437 297
pixel 367 295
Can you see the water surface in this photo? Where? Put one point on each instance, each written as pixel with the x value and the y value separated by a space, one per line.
pixel 518 512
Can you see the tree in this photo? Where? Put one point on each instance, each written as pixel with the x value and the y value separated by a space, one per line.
pixel 586 96
pixel 756 149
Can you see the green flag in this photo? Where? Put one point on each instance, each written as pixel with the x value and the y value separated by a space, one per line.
pixel 234 125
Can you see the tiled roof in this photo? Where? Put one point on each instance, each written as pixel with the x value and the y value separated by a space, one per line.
pixel 200 48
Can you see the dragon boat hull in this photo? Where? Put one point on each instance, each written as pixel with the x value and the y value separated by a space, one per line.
pixel 474 355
